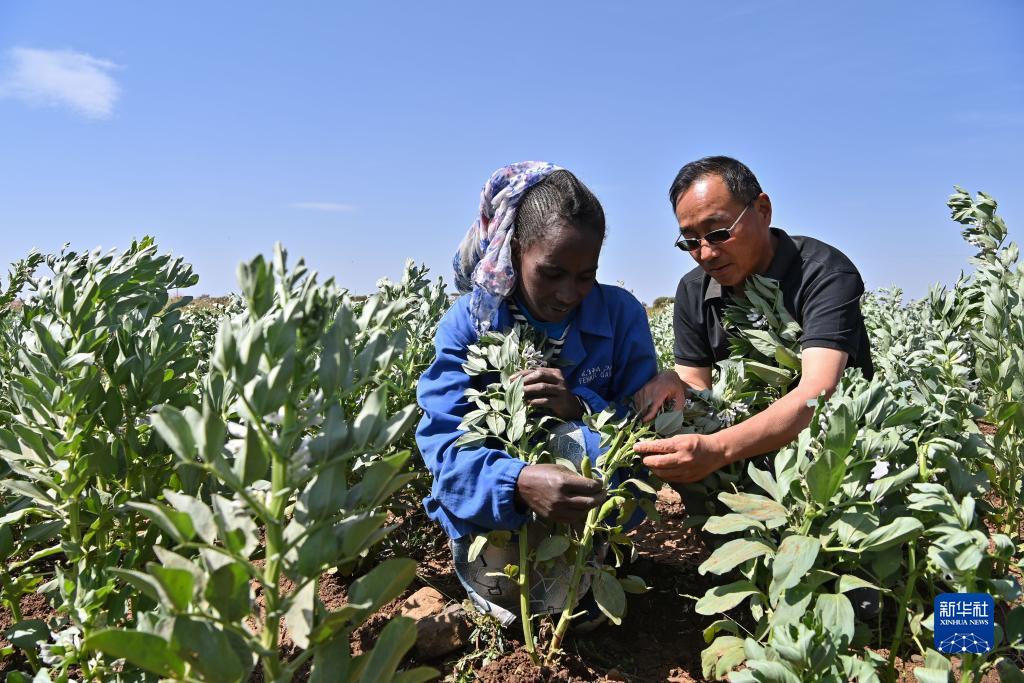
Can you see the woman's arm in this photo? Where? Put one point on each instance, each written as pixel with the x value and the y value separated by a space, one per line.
pixel 473 486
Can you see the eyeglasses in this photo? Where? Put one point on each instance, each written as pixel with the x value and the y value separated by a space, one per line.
pixel 713 237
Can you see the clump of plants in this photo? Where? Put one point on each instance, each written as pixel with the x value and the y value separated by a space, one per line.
pixel 503 418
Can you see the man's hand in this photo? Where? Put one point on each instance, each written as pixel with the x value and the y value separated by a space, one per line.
pixel 682 459
pixel 663 387
pixel 545 388
pixel 556 493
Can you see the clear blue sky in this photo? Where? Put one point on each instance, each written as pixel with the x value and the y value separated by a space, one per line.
pixel 359 133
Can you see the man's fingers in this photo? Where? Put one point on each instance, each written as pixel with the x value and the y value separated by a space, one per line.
pixel 655 447
pixel 665 460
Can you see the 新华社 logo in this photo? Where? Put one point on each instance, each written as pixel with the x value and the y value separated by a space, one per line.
pixel 964 622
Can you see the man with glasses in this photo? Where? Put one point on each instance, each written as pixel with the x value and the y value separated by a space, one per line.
pixel 724 224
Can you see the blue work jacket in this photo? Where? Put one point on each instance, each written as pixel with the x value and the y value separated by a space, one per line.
pixel 609 355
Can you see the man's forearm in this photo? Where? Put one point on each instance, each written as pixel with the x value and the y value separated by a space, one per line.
pixel 771 429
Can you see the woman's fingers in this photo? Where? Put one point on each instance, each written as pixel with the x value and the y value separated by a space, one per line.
pixel 543 389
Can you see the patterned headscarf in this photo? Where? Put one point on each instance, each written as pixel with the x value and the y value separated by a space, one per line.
pixel 483 263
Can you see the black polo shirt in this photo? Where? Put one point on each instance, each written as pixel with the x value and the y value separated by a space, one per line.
pixel 821 289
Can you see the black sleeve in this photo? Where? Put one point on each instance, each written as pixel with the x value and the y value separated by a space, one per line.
pixel 692 348
pixel 831 312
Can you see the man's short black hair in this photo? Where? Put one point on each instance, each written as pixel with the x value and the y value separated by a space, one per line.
pixel 738 178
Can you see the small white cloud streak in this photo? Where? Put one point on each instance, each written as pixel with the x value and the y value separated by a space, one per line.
pixel 61 77
pixel 333 207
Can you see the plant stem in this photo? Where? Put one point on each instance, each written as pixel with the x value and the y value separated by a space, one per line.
pixel 524 594
pixel 275 548
pixel 582 553
pixel 901 613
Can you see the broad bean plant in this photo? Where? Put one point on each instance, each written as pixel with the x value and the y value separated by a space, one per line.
pixel 503 418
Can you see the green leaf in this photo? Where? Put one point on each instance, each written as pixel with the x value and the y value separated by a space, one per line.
pixel 842 432
pixel 766 481
pixel 731 523
pixel 325 495
pixel 642 486
pixel 723 655
pixel 209 650
pixel 1009 672
pixel 552 547
pixel 177 524
pixel 734 553
pixel 633 584
pixel 1015 624
pixel 776 377
pixel 227 591
pixel 379 481
pixel 145 583
pixel 755 507
pixel 27 632
pixel 391 645
pixel 899 531
pixel 610 597
pixel 476 547
pixel 251 462
pixel 176 583
pixel 849 582
pixel 825 475
pixel 727 625
pixel 299 617
pixel 905 416
pixel 835 612
pixel 397 425
pixel 144 650
pixel 200 514
pixel 793 605
pixel 772 672
pixel 787 359
pixel 925 675
pixel 721 599
pixel 793 559
pixel 174 428
pixel 383 583
pixel 420 674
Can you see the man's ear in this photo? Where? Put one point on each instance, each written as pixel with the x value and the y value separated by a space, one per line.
pixel 763 206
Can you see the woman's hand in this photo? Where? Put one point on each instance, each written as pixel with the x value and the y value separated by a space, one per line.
pixel 556 493
pixel 663 387
pixel 545 388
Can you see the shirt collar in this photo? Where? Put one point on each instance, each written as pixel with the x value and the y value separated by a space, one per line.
pixel 785 255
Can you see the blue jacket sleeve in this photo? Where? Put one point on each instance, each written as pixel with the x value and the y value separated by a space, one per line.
pixel 474 487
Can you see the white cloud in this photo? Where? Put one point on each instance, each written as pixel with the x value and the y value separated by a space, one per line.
pixel 61 77
pixel 333 207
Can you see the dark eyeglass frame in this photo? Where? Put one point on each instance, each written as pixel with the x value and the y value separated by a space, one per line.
pixel 692 244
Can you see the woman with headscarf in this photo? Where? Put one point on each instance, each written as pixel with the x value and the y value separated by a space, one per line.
pixel 531 257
